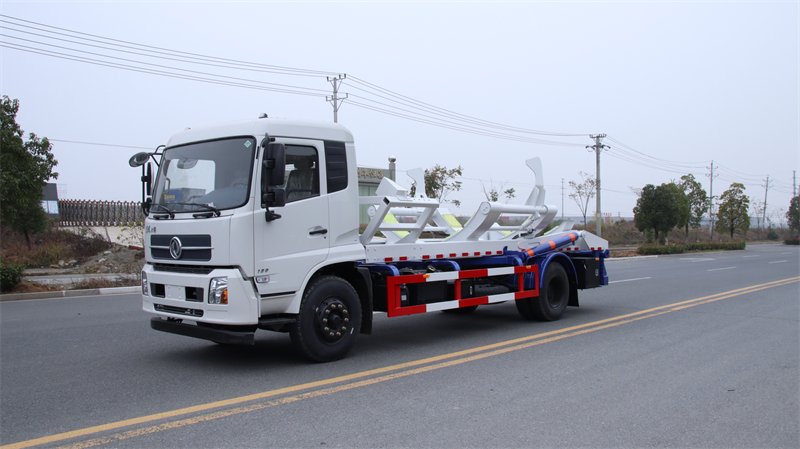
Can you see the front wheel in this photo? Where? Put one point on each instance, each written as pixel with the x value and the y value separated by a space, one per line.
pixel 553 296
pixel 329 320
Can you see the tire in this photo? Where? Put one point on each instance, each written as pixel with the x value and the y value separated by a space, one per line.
pixel 553 296
pixel 329 320
pixel 461 310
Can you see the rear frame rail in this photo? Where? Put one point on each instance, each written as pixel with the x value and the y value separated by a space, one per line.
pixel 394 283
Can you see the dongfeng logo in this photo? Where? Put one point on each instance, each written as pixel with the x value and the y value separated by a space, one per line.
pixel 175 248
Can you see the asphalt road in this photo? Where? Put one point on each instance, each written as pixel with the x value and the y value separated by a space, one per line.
pixel 679 351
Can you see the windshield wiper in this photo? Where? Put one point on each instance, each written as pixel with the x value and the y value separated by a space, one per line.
pixel 169 214
pixel 206 207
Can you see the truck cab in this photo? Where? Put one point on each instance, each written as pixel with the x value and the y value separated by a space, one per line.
pixel 215 251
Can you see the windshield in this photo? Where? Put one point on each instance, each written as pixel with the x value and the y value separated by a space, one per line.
pixel 205 176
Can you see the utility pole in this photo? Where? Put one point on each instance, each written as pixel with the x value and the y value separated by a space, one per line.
pixel 562 199
pixel 334 99
pixel 794 183
pixel 711 176
pixel 597 148
pixel 766 189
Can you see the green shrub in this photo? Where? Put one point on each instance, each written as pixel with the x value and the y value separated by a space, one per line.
pixel 772 235
pixel 794 241
pixel 715 246
pixel 650 250
pixel 653 250
pixel 10 275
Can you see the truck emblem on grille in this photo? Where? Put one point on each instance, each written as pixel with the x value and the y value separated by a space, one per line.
pixel 175 248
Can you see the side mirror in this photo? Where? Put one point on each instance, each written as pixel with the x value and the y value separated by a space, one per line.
pixel 138 159
pixel 275 163
pixel 273 172
pixel 275 197
pixel 146 206
pixel 148 179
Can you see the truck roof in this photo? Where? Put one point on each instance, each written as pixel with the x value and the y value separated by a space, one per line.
pixel 275 127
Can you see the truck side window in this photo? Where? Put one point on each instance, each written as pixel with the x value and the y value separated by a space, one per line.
pixel 336 162
pixel 302 172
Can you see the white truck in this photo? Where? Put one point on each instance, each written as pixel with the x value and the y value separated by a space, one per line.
pixel 254 225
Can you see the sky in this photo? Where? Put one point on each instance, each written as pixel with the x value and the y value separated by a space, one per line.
pixel 673 85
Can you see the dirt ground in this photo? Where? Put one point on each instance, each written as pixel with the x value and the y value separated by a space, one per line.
pixel 117 259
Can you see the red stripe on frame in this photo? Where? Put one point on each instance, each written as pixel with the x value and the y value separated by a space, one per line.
pixel 481 300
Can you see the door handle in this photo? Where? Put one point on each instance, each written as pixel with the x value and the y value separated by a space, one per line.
pixel 322 231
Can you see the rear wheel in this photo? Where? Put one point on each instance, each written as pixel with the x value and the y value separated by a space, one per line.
pixel 553 296
pixel 329 320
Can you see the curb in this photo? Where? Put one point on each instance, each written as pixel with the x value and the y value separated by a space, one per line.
pixel 69 293
pixel 628 258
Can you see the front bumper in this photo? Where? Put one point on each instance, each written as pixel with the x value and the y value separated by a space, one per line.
pixel 176 295
pixel 205 333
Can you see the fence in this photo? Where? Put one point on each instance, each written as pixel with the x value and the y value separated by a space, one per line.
pixel 99 213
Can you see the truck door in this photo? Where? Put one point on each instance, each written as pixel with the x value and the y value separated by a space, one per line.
pixel 288 248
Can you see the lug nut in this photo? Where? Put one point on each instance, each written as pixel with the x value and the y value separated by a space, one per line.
pixel 347 320
pixel 338 334
pixel 327 329
pixel 327 311
pixel 331 334
pixel 344 328
pixel 324 320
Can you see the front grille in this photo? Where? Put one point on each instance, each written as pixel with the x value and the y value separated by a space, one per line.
pixel 194 247
pixel 188 269
pixel 186 240
pixel 178 310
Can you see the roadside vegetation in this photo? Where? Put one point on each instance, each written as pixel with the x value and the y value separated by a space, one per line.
pixel 77 250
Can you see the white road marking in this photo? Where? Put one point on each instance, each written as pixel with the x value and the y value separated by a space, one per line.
pixel 780 261
pixel 745 257
pixel 697 259
pixel 718 269
pixel 630 280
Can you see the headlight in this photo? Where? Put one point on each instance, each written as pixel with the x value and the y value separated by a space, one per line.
pixel 218 291
pixel 144 283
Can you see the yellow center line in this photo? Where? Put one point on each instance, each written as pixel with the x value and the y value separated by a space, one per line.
pixel 464 356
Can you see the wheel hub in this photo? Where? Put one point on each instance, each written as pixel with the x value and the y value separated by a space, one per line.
pixel 332 320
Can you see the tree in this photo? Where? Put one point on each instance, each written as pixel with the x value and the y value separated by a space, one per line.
pixel 698 201
pixel 440 182
pixel 25 168
pixel 758 209
pixel 733 207
pixel 657 209
pixel 493 194
pixel 793 214
pixel 684 208
pixel 583 193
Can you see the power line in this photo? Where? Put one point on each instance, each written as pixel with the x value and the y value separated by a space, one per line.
pixel 160 50
pixel 193 58
pixel 100 144
pixel 446 112
pixel 149 71
pixel 147 63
